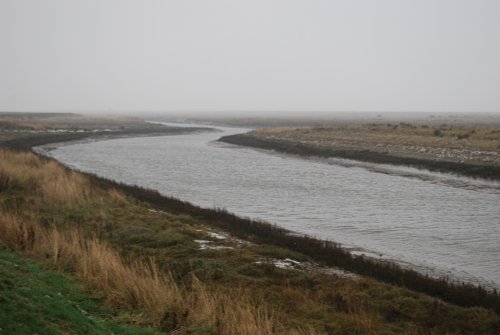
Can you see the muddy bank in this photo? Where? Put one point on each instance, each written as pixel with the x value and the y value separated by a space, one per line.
pixel 466 169
pixel 24 141
pixel 327 253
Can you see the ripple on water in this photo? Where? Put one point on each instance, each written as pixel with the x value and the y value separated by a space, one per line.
pixel 447 223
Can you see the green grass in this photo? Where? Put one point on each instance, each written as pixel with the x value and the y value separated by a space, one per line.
pixel 34 300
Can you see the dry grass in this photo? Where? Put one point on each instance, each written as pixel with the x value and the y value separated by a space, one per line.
pixel 462 144
pixel 137 286
pixel 140 286
pixel 450 137
pixel 55 184
pixel 45 121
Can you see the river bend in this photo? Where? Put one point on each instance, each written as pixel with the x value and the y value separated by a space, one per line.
pixel 435 222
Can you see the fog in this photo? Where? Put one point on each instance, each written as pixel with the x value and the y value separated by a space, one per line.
pixel 273 55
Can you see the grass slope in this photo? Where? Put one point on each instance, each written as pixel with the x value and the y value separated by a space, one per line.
pixel 34 300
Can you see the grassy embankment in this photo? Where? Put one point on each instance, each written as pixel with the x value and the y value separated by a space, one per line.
pixel 34 300
pixel 147 266
pixel 470 151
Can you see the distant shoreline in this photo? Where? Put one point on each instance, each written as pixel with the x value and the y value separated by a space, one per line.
pixel 290 147
pixel 27 143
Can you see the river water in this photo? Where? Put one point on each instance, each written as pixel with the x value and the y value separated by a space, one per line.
pixel 437 223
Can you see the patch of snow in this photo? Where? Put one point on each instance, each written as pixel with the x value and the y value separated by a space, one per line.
pixel 203 244
pixel 288 264
pixel 241 242
pixel 218 236
pixel 219 247
pixel 207 245
pixel 228 237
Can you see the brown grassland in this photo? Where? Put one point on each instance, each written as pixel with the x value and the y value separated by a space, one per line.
pixel 466 150
pixel 68 121
pixel 148 266
pixel 22 131
pixel 454 143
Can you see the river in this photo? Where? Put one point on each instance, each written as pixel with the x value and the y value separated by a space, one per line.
pixel 438 223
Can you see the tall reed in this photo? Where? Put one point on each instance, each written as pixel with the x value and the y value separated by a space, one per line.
pixel 45 178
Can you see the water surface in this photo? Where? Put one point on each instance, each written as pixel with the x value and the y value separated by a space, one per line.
pixel 436 221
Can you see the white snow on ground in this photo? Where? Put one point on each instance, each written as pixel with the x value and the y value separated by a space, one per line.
pixel 208 245
pixel 288 263
pixel 218 236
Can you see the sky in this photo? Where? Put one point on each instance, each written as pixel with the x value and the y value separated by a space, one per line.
pixel 253 55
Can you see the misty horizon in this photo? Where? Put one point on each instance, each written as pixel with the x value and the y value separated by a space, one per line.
pixel 286 56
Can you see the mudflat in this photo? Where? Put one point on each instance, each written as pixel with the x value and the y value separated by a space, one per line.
pixel 467 150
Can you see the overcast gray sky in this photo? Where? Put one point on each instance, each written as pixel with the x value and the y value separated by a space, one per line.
pixel 352 55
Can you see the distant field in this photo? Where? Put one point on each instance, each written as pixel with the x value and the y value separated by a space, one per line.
pixel 22 131
pixel 453 143
pixel 473 151
pixel 45 121
pixel 296 119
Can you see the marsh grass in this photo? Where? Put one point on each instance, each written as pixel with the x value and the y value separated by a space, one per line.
pixel 470 151
pixel 139 286
pixel 134 285
pixel 477 138
pixel 146 266
pixel 359 151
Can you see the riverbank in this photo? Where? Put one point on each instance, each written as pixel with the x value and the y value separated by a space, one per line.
pixel 25 140
pixel 194 270
pixel 471 152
